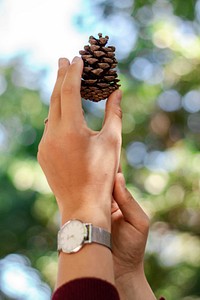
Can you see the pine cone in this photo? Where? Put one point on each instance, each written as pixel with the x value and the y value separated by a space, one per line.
pixel 99 78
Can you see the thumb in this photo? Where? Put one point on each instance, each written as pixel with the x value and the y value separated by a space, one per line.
pixel 131 210
pixel 113 114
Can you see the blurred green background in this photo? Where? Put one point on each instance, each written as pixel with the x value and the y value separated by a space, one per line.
pixel 158 49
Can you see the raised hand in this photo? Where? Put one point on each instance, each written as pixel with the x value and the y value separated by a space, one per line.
pixel 80 164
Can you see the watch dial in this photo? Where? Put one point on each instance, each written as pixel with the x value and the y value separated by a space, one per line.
pixel 72 236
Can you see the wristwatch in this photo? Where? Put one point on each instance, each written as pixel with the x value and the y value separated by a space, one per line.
pixel 74 234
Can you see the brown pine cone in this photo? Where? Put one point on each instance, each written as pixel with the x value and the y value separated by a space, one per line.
pixel 99 78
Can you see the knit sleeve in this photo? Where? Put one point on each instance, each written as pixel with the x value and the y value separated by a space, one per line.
pixel 86 289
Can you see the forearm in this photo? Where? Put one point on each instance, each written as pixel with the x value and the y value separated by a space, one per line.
pixel 93 260
pixel 135 287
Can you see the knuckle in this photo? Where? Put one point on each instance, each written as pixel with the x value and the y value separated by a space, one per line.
pixel 115 109
pixel 61 72
pixel 115 139
pixel 145 222
pixel 118 112
pixel 67 89
pixel 73 135
pixel 44 146
pixel 54 97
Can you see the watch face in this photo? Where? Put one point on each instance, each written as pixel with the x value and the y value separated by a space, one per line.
pixel 71 236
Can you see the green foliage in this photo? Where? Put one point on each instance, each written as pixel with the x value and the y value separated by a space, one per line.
pixel 185 10
pixel 27 208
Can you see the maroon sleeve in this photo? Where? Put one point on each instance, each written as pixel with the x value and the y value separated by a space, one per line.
pixel 86 289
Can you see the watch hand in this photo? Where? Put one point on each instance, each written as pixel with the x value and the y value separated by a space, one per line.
pixel 70 237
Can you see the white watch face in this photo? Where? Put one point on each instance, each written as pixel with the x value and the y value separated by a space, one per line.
pixel 72 236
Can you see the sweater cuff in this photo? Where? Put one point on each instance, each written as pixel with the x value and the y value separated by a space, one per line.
pixel 86 289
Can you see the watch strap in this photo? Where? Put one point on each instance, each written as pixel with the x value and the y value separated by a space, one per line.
pixel 101 236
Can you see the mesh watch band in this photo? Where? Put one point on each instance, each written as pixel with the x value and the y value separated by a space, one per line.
pixel 101 236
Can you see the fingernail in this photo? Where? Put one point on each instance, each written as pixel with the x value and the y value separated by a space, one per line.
pixel 62 62
pixel 76 59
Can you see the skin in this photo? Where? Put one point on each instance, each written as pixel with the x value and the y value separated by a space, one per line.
pixel 130 226
pixel 81 167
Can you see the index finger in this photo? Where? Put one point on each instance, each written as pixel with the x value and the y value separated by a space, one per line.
pixel 71 107
pixel 55 105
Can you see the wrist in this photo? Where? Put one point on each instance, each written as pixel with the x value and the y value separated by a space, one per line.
pixel 134 285
pixel 97 217
pixel 131 275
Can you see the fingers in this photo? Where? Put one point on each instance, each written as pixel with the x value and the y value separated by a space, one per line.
pixel 71 107
pixel 55 104
pixel 113 115
pixel 114 206
pixel 131 210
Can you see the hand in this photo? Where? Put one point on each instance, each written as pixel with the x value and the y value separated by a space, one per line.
pixel 80 164
pixel 130 227
pixel 129 231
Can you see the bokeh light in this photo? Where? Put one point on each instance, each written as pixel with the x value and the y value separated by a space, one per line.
pixel 19 281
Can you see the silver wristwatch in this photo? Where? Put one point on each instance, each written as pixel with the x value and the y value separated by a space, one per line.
pixel 74 234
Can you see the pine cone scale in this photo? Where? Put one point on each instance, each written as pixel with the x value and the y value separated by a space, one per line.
pixel 99 53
